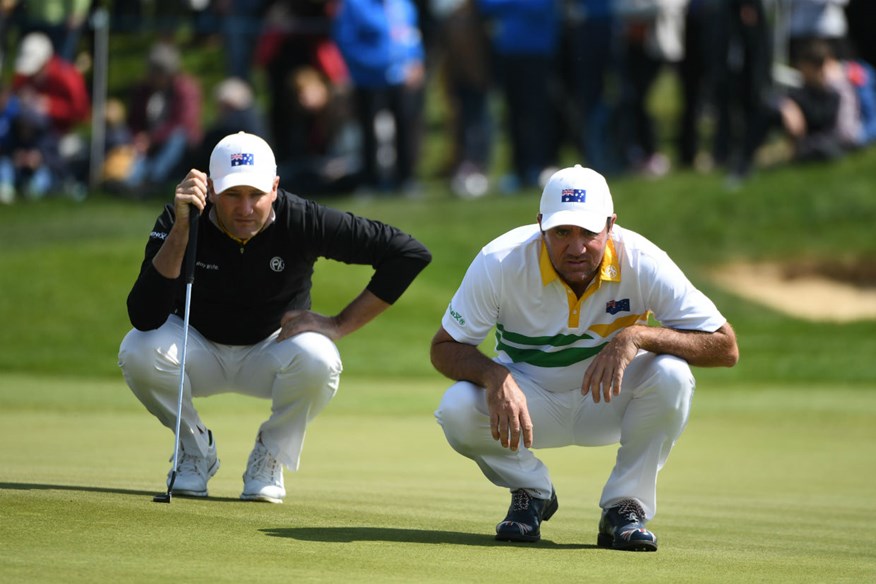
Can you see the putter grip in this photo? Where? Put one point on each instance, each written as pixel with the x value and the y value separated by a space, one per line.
pixel 192 246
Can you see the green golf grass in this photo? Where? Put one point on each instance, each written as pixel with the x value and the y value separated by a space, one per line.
pixel 768 484
pixel 773 481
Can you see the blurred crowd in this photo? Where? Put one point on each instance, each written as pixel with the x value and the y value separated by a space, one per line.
pixel 338 87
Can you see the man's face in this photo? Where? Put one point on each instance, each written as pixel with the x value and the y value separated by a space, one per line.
pixel 576 253
pixel 243 211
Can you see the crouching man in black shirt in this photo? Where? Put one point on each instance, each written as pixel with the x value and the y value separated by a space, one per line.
pixel 251 327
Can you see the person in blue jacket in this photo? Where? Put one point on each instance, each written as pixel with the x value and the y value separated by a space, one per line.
pixel 526 35
pixel 382 46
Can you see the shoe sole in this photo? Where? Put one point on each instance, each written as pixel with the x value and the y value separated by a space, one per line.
pixel 604 540
pixel 261 499
pixel 198 494
pixel 548 513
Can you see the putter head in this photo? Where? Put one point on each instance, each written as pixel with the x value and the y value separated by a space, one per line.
pixel 162 498
pixel 166 497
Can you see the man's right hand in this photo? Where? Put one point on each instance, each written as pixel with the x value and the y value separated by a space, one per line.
pixel 191 191
pixel 509 415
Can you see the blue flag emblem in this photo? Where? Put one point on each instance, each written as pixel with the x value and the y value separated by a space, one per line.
pixel 574 195
pixel 243 159
pixel 615 306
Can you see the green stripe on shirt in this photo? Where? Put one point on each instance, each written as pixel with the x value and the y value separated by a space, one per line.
pixel 539 358
pixel 554 341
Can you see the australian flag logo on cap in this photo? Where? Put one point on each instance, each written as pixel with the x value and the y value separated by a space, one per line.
pixel 573 196
pixel 242 159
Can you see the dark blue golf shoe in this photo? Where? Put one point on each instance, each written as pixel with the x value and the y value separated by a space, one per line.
pixel 622 527
pixel 523 522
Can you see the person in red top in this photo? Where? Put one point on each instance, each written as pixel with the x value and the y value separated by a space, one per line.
pixel 164 115
pixel 53 100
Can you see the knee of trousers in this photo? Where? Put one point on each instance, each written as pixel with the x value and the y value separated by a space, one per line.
pixel 149 360
pixel 310 360
pixel 673 381
pixel 461 417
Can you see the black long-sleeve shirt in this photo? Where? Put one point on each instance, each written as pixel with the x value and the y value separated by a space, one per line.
pixel 241 291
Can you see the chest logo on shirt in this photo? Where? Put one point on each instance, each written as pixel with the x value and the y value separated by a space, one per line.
pixel 615 306
pixel 277 264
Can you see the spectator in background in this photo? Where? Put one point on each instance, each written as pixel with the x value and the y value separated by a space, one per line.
pixel 296 37
pixel 49 84
pixel 697 76
pixel 818 19
pixel 61 20
pixel 312 123
pixel 861 76
pixel 236 111
pixel 651 36
pixel 525 40
pixel 8 114
pixel 164 114
pixel 119 150
pixel 52 101
pixel 743 85
pixel 241 23
pixel 466 80
pixel 591 61
pixel 810 113
pixel 382 48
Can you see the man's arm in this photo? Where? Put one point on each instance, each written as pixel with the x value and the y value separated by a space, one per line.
pixel 509 415
pixel 701 349
pixel 152 297
pixel 362 310
pixel 192 191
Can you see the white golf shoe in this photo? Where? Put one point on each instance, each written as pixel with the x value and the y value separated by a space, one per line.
pixel 263 479
pixel 193 471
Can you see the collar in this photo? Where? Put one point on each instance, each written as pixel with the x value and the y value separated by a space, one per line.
pixel 609 268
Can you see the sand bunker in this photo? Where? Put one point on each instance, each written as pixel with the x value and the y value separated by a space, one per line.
pixel 835 292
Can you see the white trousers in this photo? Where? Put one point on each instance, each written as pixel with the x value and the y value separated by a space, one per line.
pixel 299 375
pixel 646 418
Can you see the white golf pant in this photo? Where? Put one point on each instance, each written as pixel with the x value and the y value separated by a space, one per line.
pixel 646 418
pixel 299 375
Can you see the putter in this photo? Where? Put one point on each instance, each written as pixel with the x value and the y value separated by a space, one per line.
pixel 190 277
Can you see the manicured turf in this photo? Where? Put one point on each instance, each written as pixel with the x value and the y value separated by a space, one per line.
pixel 772 482
pixel 769 484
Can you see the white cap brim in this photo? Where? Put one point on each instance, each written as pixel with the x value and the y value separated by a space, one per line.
pixel 258 180
pixel 594 222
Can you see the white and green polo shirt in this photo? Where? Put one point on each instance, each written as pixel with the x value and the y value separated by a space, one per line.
pixel 543 329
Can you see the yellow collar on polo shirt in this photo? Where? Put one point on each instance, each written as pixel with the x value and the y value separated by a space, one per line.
pixel 609 268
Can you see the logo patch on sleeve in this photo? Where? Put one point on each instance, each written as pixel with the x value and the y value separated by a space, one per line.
pixel 615 306
pixel 456 316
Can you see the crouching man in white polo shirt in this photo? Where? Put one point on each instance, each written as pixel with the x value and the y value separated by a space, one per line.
pixel 577 363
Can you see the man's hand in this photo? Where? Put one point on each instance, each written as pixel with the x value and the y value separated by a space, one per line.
pixel 509 416
pixel 299 321
pixel 191 191
pixel 605 374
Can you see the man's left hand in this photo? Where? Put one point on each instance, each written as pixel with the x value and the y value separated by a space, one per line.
pixel 299 321
pixel 605 374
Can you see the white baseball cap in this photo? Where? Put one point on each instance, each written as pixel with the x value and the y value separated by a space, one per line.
pixel 242 159
pixel 34 52
pixel 576 196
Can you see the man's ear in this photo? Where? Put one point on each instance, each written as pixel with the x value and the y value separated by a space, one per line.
pixel 211 194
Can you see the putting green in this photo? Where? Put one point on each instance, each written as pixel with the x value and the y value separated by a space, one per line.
pixel 766 485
